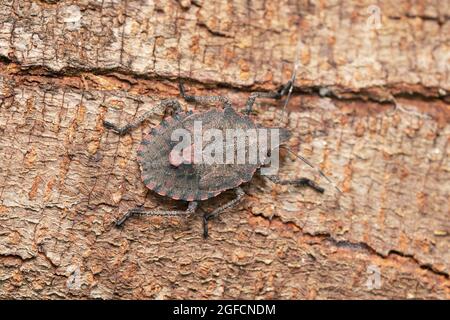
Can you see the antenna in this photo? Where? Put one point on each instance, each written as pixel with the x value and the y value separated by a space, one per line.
pixel 293 78
pixel 294 74
pixel 312 166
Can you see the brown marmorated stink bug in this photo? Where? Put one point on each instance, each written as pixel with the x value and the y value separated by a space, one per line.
pixel 176 172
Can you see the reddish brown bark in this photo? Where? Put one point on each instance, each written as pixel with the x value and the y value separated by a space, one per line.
pixel 66 66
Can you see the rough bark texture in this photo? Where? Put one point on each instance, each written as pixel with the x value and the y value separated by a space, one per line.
pixel 67 65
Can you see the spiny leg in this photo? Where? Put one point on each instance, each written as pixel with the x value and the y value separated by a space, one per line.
pixel 272 95
pixel 127 128
pixel 204 99
pixel 297 182
pixel 239 194
pixel 139 211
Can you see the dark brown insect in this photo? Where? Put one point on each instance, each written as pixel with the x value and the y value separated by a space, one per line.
pixel 178 176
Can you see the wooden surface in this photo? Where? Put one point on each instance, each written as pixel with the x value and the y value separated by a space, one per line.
pixel 67 65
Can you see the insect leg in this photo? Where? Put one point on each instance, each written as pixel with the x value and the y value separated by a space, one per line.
pixel 273 95
pixel 138 211
pixel 239 194
pixel 174 104
pixel 204 99
pixel 297 182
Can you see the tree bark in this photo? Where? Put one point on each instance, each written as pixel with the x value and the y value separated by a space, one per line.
pixel 370 108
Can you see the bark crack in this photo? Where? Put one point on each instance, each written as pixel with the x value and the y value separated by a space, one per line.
pixel 371 94
pixel 329 239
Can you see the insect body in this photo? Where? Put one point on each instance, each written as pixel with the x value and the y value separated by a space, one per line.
pixel 182 173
